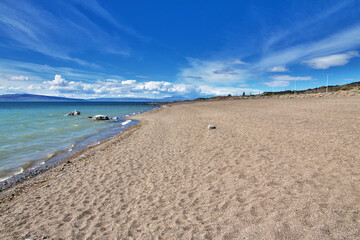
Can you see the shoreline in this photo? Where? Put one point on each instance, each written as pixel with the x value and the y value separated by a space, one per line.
pixel 61 156
pixel 32 181
pixel 274 169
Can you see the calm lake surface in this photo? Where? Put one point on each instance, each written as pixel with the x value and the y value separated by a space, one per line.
pixel 33 132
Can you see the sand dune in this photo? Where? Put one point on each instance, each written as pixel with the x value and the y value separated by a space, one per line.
pixel 272 169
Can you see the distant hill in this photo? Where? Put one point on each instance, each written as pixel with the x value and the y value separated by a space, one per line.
pixel 331 88
pixel 31 97
pixel 342 90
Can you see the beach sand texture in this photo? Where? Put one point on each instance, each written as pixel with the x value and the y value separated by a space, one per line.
pixel 272 169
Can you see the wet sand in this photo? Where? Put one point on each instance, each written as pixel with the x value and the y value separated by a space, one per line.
pixel 272 169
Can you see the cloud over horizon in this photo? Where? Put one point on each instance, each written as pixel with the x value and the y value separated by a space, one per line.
pixel 326 62
pixel 125 88
pixel 284 80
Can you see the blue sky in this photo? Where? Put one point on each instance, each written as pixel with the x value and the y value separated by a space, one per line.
pixel 156 49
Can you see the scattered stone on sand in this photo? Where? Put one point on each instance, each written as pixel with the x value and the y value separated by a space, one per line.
pixel 211 127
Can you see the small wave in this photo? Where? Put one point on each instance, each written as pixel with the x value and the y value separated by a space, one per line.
pixel 53 154
pixel 5 178
pixel 71 148
pixel 126 122
pixel 19 172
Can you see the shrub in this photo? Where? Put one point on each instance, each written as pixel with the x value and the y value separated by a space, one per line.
pixel 345 88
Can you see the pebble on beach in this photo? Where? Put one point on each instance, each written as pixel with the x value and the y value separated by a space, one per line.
pixel 211 127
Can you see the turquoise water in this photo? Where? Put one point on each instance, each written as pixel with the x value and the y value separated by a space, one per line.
pixel 33 132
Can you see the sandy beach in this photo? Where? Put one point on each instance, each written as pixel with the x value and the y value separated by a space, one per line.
pixel 272 169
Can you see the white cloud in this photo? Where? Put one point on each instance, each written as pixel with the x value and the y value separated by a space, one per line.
pixel 212 72
pixel 280 68
pixel 19 78
pixel 331 60
pixel 182 88
pixel 236 61
pixel 128 82
pixel 110 80
pixel 34 87
pixel 159 86
pixel 345 40
pixel 142 76
pixel 58 81
pixel 114 88
pixel 277 83
pixel 284 80
pixel 290 78
pixel 222 91
pixel 39 72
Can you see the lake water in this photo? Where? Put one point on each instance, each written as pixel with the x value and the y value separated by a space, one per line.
pixel 33 132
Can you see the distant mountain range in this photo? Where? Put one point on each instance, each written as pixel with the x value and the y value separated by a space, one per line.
pixel 42 98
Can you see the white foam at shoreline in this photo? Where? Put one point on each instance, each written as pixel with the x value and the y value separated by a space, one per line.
pixel 126 122
pixel 17 173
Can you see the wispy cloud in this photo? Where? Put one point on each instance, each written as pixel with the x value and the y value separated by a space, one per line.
pixel 222 91
pixel 345 40
pixel 326 62
pixel 19 78
pixel 280 68
pixel 212 72
pixel 39 72
pixel 128 82
pixel 299 27
pixel 290 78
pixel 284 80
pixel 96 8
pixel 276 83
pixel 142 76
pixel 36 28
pixel 235 62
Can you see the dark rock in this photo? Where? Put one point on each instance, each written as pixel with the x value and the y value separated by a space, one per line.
pixel 73 113
pixel 100 117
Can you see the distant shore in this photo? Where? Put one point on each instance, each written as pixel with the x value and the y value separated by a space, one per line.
pixel 272 168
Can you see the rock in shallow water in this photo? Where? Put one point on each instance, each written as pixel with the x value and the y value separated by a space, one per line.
pixel 73 113
pixel 100 117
